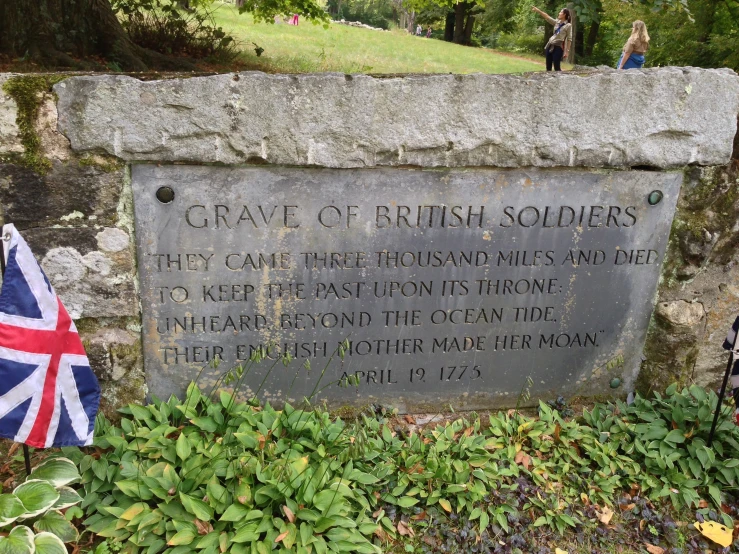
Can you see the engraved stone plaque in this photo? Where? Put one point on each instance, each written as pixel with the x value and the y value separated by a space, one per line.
pixel 447 287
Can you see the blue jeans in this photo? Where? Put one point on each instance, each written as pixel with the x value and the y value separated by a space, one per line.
pixel 635 61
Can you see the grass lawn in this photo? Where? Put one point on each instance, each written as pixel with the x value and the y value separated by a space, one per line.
pixel 311 48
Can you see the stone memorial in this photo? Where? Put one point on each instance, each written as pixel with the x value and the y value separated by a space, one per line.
pixel 461 236
pixel 448 287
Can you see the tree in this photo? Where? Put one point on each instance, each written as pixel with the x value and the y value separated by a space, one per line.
pixel 55 32
pixel 459 17
pixel 70 33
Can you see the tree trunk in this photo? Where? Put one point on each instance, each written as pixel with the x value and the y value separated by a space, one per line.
pixel 61 32
pixel 575 26
pixel 592 38
pixel 449 27
pixel 460 11
pixel 468 27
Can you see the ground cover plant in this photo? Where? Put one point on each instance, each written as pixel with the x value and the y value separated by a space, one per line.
pixel 214 474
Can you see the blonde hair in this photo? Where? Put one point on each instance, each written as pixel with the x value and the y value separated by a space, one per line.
pixel 639 35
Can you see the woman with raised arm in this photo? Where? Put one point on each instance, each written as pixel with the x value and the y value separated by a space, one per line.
pixel 635 48
pixel 560 42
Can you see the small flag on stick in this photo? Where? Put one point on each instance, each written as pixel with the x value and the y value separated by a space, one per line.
pixel 49 396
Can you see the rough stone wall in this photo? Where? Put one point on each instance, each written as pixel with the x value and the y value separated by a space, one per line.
pixel 699 292
pixel 77 217
pixel 72 198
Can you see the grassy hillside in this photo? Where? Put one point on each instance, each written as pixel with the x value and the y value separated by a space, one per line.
pixel 310 48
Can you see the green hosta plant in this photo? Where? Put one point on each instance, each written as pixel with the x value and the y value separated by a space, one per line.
pixel 234 478
pixel 32 515
pixel 667 437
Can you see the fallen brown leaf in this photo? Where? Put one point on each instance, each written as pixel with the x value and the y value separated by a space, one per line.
pixel 289 514
pixel 627 507
pixel 377 512
pixel 404 530
pixel 652 549
pixel 204 527
pixel 409 419
pixel 13 448
pixel 381 534
pixel 523 459
pixel 703 504
pixel 420 516
pixel 281 536
pixel 557 431
pixel 605 515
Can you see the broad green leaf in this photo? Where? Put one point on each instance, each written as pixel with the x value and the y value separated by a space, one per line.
pixel 698 393
pixel 484 521
pixel 445 504
pixel 541 520
pixel 11 508
pixel 48 543
pixel 205 423
pixel 133 510
pixel 196 507
pixel 247 533
pixel 675 436
pixel 183 537
pixel 306 533
pixel 135 489
pixel 57 471
pixel 239 512
pixel 37 497
pixel 183 447
pixel 67 497
pixel 54 522
pixel 100 469
pixel 18 541
pixel 407 501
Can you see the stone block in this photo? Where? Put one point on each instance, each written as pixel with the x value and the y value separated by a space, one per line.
pixel 92 282
pixel 675 116
pixel 10 141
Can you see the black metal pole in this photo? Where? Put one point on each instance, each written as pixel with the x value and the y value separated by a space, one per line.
pixel 723 390
pixel 26 454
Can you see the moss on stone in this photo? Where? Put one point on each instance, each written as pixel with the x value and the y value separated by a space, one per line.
pixel 108 164
pixel 28 92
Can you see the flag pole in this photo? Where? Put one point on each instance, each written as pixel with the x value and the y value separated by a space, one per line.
pixel 26 453
pixel 723 390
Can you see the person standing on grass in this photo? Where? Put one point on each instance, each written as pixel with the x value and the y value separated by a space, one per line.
pixel 559 44
pixel 633 55
pixel 428 33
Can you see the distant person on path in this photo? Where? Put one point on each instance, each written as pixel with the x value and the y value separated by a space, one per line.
pixel 635 48
pixel 294 20
pixel 428 33
pixel 559 44
pixel 419 30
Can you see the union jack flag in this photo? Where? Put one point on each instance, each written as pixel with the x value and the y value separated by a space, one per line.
pixel 48 394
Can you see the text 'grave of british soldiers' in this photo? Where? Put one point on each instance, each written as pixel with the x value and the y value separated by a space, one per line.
pixel 449 287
